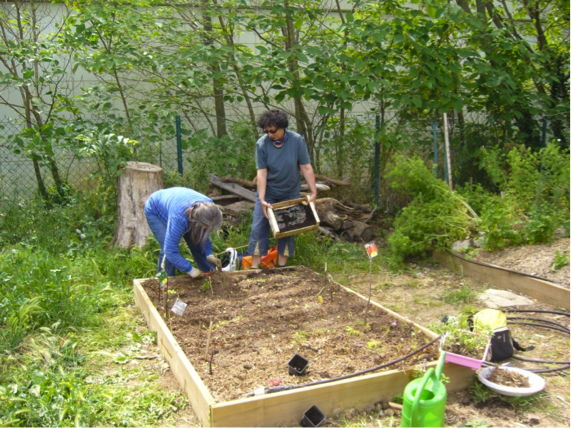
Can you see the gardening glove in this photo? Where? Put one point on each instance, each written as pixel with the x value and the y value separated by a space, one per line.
pixel 195 273
pixel 214 261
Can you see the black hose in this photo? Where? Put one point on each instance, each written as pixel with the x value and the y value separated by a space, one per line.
pixel 488 364
pixel 542 325
pixel 548 370
pixel 556 369
pixel 319 382
pixel 539 319
pixel 538 311
pixel 540 361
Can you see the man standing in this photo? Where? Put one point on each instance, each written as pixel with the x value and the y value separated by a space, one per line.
pixel 281 157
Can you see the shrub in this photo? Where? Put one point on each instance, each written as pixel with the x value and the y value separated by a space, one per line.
pixel 534 198
pixel 435 218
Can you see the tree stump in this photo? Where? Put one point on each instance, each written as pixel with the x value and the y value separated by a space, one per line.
pixel 357 231
pixel 136 183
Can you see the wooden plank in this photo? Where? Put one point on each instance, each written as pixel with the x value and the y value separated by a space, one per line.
pixel 332 180
pixel 189 380
pixel 225 199
pixel 543 291
pixel 320 187
pixel 234 188
pixel 286 408
pixel 273 222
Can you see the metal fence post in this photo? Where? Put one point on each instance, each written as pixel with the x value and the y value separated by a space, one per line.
pixel 179 145
pixel 377 156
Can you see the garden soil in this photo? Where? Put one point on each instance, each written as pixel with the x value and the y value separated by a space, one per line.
pixel 422 294
pixel 246 330
pixel 536 260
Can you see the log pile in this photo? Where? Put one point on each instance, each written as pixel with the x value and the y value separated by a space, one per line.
pixel 338 220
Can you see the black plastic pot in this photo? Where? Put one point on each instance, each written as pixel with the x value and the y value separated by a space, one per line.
pixel 297 365
pixel 313 417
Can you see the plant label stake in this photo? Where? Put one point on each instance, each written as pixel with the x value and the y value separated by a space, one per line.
pixel 178 307
pixel 372 251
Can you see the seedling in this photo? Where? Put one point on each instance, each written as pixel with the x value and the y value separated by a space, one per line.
pixel 373 344
pixel 352 331
pixel 300 336
pixel 206 285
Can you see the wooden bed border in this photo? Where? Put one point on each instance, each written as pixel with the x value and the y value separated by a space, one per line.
pixel 284 408
pixel 543 291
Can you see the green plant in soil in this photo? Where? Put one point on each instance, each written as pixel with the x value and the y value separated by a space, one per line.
pixel 206 285
pixel 560 260
pixel 375 346
pixel 300 336
pixel 352 331
pixel 459 339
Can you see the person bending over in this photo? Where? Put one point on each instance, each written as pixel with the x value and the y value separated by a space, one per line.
pixel 176 213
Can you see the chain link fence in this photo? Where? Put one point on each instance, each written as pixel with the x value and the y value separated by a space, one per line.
pixel 18 174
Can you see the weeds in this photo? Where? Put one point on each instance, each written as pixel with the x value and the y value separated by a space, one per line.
pixel 462 296
pixel 61 291
pixel 560 260
pixel 479 393
pixel 300 336
pixel 459 339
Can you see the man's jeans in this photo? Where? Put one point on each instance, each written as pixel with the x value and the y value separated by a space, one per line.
pixel 259 236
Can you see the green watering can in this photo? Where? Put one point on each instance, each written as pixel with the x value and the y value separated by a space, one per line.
pixel 424 399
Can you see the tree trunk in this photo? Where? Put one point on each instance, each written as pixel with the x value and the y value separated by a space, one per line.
pixel 136 183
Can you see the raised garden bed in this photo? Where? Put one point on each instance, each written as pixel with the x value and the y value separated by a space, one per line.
pixel 506 279
pixel 240 330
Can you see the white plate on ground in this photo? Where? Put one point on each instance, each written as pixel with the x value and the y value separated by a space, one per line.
pixel 536 382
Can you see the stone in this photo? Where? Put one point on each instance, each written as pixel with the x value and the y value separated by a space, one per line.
pixel 462 246
pixel 495 299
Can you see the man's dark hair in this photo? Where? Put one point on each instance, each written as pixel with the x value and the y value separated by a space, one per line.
pixel 273 117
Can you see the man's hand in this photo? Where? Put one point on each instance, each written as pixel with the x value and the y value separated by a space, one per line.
pixel 195 273
pixel 214 261
pixel 265 207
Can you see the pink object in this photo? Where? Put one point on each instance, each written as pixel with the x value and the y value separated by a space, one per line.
pixel 463 361
pixel 276 382
pixel 473 363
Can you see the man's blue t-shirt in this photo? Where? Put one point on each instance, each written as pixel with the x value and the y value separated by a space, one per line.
pixel 282 163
